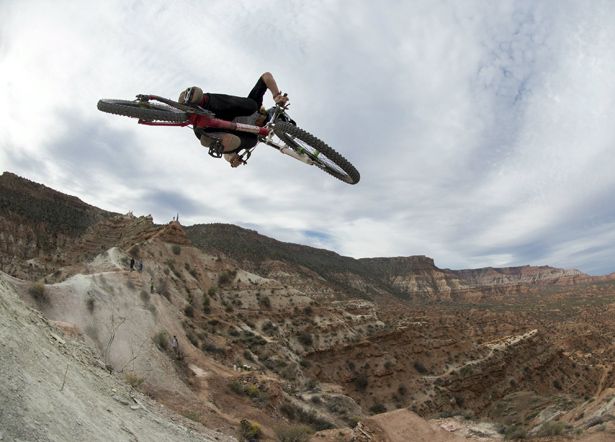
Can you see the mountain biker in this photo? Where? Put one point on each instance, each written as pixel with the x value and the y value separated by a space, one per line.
pixel 248 110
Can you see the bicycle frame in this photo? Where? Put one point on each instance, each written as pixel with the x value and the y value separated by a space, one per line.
pixel 203 119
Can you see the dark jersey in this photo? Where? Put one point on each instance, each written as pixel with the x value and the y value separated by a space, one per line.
pixel 229 107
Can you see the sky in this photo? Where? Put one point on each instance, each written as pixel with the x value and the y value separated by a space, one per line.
pixel 484 131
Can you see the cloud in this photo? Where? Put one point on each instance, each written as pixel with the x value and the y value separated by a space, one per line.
pixel 482 130
pixel 168 203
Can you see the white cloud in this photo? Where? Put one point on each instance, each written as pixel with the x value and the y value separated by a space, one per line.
pixel 481 129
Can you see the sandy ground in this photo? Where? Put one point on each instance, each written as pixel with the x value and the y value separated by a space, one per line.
pixel 53 388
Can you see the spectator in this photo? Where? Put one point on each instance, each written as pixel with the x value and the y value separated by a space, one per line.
pixel 175 347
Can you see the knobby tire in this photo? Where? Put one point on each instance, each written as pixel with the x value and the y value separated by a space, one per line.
pixel 142 110
pixel 343 171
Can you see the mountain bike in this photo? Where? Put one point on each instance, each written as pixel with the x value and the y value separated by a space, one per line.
pixel 279 132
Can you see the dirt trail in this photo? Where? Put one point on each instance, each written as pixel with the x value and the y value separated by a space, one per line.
pixel 600 387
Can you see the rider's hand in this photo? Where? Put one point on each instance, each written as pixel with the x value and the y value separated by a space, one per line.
pixel 281 99
pixel 235 161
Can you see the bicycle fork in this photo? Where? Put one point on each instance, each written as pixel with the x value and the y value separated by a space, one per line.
pixel 290 152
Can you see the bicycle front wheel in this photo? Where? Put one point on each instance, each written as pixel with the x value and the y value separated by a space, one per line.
pixel 322 155
pixel 143 110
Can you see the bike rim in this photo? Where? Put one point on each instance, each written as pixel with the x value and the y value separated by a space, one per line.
pixel 320 160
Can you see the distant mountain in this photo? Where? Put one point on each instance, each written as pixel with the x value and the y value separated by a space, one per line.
pixel 411 277
pixel 35 204
pixel 42 229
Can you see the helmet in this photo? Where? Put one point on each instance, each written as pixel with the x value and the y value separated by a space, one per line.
pixel 192 95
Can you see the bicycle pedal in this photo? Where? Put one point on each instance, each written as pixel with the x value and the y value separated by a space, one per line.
pixel 216 148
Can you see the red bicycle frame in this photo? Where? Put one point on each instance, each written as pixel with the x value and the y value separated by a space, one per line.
pixel 205 121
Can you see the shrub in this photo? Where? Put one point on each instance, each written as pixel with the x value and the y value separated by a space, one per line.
pixel 249 431
pixel 211 348
pixel 134 380
pixel 308 417
pixel 163 289
pixel 264 302
pixel 176 249
pixel 459 400
pixel 551 428
pixel 312 384
pixel 313 420
pixel 515 432
pixel 361 381
pixel 288 410
pixel 37 291
pixel 377 408
pixel 193 339
pixel 294 433
pixel 192 415
pixel 144 296
pixel 236 387
pixel 402 390
pixel 226 277
pixel 134 251
pixel 90 304
pixel 252 391
pixel 249 389
pixel 161 339
pixel 189 311
pixel 211 292
pixel 418 366
pixel 305 339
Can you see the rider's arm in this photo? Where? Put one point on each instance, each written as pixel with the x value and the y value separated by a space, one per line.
pixel 267 82
pixel 273 87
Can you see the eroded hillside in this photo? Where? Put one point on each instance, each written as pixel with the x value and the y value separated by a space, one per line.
pixel 278 339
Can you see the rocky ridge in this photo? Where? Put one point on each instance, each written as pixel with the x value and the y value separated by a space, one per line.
pixel 279 333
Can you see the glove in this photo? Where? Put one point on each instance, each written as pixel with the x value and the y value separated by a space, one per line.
pixel 281 99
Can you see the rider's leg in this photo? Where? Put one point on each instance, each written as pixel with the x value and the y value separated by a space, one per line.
pixel 229 141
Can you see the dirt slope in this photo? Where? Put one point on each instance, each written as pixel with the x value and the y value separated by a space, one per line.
pixel 54 389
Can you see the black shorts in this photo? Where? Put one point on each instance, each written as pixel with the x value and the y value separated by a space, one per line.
pixel 228 107
pixel 248 140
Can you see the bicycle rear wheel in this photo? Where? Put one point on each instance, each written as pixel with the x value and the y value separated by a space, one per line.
pixel 143 110
pixel 322 155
